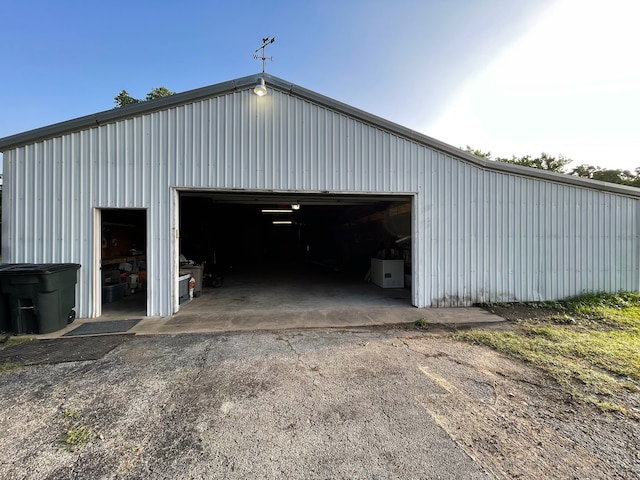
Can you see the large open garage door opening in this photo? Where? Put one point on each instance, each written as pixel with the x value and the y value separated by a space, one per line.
pixel 283 251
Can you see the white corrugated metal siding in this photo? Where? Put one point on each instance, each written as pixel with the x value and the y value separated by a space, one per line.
pixel 497 237
pixel 479 235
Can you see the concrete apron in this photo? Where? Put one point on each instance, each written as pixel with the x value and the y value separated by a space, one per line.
pixel 184 322
pixel 261 303
pixel 323 318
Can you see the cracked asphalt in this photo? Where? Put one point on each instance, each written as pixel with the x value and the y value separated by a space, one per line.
pixel 290 404
pixel 355 403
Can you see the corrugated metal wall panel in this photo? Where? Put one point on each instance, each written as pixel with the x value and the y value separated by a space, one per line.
pixel 289 145
pixel 479 235
pixel 498 237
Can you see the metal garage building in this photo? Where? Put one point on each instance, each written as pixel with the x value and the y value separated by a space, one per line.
pixel 468 230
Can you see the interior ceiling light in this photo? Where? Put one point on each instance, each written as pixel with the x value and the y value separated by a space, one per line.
pixel 260 89
pixel 295 206
pixel 282 222
pixel 277 210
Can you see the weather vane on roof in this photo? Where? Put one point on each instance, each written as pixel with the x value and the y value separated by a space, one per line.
pixel 265 42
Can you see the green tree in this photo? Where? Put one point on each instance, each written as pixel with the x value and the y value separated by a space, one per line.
pixel 478 153
pixel 158 92
pixel 547 162
pixel 584 170
pixel 543 162
pixel 623 177
pixel 123 98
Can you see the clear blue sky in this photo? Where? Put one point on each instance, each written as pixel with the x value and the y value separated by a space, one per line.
pixel 513 77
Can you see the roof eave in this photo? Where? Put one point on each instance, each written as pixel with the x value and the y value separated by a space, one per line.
pixel 116 114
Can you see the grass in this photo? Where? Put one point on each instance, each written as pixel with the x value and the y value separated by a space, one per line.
pixel 10 341
pixel 421 323
pixel 15 341
pixel 76 434
pixel 9 367
pixel 592 348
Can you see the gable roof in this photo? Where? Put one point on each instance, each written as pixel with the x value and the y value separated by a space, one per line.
pixel 113 115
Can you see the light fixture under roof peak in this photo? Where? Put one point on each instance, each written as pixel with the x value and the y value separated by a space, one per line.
pixel 260 89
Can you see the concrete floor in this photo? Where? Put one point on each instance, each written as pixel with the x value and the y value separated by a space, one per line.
pixel 273 300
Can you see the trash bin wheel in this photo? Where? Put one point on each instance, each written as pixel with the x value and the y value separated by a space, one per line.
pixel 71 317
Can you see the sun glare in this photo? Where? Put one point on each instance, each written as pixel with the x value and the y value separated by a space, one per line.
pixel 570 85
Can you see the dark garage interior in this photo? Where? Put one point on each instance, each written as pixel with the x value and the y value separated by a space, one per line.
pixel 274 255
pixel 325 237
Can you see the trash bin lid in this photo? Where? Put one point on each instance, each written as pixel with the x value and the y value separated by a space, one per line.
pixel 37 268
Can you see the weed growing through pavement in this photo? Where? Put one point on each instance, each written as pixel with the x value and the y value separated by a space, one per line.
pixel 421 323
pixel 76 433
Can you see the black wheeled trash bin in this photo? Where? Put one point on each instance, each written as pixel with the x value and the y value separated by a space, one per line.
pixel 5 317
pixel 40 296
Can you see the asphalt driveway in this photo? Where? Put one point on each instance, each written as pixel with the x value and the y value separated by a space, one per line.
pixel 357 403
pixel 306 404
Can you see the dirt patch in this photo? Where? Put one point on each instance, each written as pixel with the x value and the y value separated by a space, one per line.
pixel 518 423
pixel 525 311
pixel 530 427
